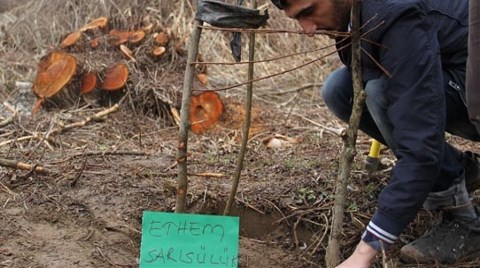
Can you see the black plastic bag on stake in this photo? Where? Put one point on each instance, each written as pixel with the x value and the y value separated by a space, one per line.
pixel 236 42
pixel 224 15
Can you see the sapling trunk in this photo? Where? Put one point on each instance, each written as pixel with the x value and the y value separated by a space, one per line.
pixel 182 179
pixel 333 250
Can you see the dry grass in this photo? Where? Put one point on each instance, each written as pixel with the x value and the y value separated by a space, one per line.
pixel 33 28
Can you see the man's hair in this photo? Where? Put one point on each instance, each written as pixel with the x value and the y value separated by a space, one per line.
pixel 281 4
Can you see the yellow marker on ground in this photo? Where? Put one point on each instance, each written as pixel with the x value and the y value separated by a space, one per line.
pixel 371 164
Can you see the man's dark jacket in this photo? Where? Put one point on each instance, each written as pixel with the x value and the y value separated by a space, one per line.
pixel 415 41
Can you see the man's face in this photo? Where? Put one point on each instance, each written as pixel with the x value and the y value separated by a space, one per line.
pixel 319 14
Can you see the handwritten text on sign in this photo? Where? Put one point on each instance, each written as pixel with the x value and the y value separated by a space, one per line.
pixel 188 240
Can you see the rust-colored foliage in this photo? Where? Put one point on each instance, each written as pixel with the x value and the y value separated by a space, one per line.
pixel 95 24
pixel 95 42
pixel 89 82
pixel 127 52
pixel 118 37
pixel 159 51
pixel 148 27
pixel 136 37
pixel 202 78
pixel 161 38
pixel 115 77
pixel 55 71
pixel 70 40
pixel 205 110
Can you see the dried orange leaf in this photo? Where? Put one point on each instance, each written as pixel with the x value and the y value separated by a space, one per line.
pixel 95 42
pixel 89 82
pixel 36 106
pixel 119 37
pixel 161 38
pixel 55 71
pixel 278 141
pixel 202 78
pixel 159 51
pixel 148 27
pixel 136 37
pixel 115 77
pixel 97 23
pixel 70 40
pixel 205 110
pixel 127 52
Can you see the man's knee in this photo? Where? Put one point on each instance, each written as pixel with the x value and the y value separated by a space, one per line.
pixel 337 88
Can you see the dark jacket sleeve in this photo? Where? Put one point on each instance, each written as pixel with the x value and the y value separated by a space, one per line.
pixel 417 111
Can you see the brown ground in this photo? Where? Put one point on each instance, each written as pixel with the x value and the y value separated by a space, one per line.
pixel 87 211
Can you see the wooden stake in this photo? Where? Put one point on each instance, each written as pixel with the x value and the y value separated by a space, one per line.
pixel 246 127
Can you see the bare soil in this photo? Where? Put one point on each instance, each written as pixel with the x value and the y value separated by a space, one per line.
pixel 87 211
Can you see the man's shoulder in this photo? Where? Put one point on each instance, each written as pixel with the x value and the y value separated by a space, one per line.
pixel 392 8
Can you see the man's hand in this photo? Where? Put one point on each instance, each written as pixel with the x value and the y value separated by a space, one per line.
pixel 362 257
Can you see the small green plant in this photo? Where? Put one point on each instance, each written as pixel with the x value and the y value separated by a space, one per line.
pixel 306 195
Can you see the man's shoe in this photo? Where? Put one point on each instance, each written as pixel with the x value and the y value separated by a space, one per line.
pixel 471 164
pixel 447 243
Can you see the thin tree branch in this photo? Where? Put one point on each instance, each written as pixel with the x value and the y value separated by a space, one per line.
pixel 279 73
pixel 266 60
pixel 275 31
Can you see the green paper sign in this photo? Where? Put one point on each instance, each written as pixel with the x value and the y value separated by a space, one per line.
pixel 188 240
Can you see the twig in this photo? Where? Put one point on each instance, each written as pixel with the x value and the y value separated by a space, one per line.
pixel 96 117
pixel 279 211
pixel 266 60
pixel 250 206
pixel 9 191
pixel 279 73
pixel 292 90
pixel 192 174
pixel 380 66
pixel 45 138
pixel 8 120
pixel 73 183
pixel 275 31
pixel 337 131
pixel 10 107
pixel 23 166
pixel 18 139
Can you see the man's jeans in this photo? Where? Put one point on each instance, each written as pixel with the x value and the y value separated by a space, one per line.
pixel 337 93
